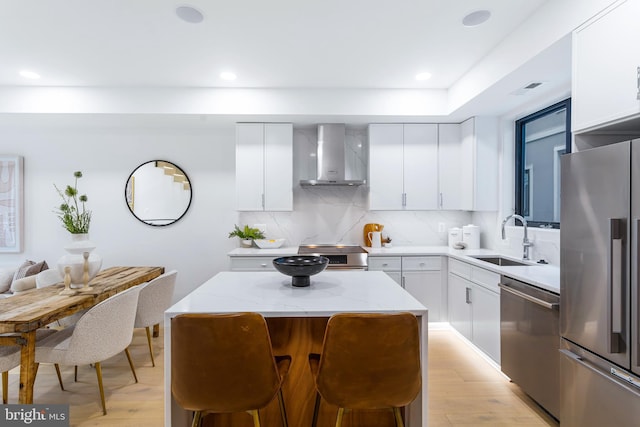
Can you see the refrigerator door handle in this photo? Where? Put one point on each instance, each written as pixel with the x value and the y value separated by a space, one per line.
pixel 616 283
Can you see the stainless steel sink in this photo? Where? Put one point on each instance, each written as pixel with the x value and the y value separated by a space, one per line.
pixel 505 262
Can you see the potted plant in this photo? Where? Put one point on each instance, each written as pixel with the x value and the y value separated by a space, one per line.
pixel 74 216
pixel 246 235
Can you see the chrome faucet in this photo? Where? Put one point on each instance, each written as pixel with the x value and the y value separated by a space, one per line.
pixel 526 244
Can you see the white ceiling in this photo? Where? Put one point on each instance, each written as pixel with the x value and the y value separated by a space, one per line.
pixel 273 44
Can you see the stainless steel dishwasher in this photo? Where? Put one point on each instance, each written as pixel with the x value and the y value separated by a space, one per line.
pixel 530 341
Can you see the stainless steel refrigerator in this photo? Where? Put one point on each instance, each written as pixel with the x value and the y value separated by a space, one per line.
pixel 599 322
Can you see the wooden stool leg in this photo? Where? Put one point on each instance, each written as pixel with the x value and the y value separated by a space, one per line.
pixel 197 417
pixel 396 412
pixel 153 362
pixel 316 409
pixel 339 419
pixel 5 386
pixel 59 376
pixel 133 369
pixel 256 417
pixel 283 411
pixel 99 374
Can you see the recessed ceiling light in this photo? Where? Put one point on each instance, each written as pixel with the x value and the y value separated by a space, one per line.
pixel 423 76
pixel 227 75
pixel 29 74
pixel 189 14
pixel 476 18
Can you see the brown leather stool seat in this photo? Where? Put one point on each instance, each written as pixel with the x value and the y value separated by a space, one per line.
pixel 223 363
pixel 368 361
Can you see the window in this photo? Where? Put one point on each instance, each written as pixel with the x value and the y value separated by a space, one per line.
pixel 541 138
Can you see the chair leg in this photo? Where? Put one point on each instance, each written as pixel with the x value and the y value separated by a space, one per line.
pixel 283 411
pixel 5 386
pixel 133 369
pixel 59 376
pixel 197 417
pixel 396 412
pixel 99 374
pixel 256 417
pixel 153 362
pixel 339 419
pixel 316 409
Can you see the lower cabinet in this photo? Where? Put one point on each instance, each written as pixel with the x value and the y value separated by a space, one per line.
pixel 421 276
pixel 253 263
pixel 474 305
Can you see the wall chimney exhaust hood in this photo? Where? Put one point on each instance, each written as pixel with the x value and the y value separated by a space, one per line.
pixel 330 158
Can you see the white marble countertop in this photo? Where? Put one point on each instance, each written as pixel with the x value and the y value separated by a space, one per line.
pixel 271 294
pixel 544 276
pixel 282 251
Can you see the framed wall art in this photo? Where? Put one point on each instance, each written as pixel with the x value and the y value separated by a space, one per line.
pixel 11 203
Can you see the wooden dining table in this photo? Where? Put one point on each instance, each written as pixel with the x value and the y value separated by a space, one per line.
pixel 22 314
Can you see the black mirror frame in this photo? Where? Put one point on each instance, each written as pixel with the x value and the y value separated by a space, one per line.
pixel 126 187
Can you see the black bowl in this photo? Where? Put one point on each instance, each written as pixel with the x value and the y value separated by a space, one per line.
pixel 300 267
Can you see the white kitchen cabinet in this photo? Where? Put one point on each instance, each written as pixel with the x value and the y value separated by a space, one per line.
pixel 391 265
pixel 421 276
pixel 449 176
pixel 474 305
pixel 460 314
pixel 264 166
pixel 606 67
pixel 254 263
pixel 478 165
pixel 403 166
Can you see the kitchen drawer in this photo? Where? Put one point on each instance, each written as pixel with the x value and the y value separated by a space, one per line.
pixel 421 263
pixel 386 263
pixel 460 268
pixel 485 278
pixel 252 264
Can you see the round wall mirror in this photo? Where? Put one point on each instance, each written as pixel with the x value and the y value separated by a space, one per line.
pixel 158 193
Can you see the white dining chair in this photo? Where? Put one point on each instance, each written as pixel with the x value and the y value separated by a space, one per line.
pixel 153 301
pixel 10 358
pixel 102 332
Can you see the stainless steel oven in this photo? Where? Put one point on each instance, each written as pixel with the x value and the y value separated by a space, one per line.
pixel 530 341
pixel 341 257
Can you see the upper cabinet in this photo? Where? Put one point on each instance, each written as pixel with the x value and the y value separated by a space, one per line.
pixel 264 166
pixel 606 68
pixel 478 165
pixel 403 166
pixel 449 176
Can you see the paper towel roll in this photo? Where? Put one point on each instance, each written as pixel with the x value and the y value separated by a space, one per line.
pixel 455 236
pixel 471 236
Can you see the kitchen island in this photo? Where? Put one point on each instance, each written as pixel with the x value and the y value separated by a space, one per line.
pixel 296 319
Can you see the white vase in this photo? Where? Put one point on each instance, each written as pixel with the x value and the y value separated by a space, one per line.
pixel 79 245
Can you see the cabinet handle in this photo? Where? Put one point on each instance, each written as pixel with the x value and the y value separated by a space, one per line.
pixel 262 200
pixel 385 264
pixel 402 281
pixel 263 265
pixel 404 199
pixel 638 83
pixel 467 295
pixel 440 199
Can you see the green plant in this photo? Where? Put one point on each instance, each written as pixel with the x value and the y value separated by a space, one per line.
pixel 74 216
pixel 246 233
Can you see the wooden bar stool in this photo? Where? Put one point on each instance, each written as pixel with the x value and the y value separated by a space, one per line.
pixel 223 363
pixel 368 361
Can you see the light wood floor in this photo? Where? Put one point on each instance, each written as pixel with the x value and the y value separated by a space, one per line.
pixel 464 389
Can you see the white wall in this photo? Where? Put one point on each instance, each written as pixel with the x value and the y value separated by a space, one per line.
pixel 196 245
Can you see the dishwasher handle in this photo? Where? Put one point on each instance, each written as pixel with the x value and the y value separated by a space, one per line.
pixel 545 304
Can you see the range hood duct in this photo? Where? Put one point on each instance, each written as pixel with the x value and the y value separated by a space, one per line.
pixel 330 157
